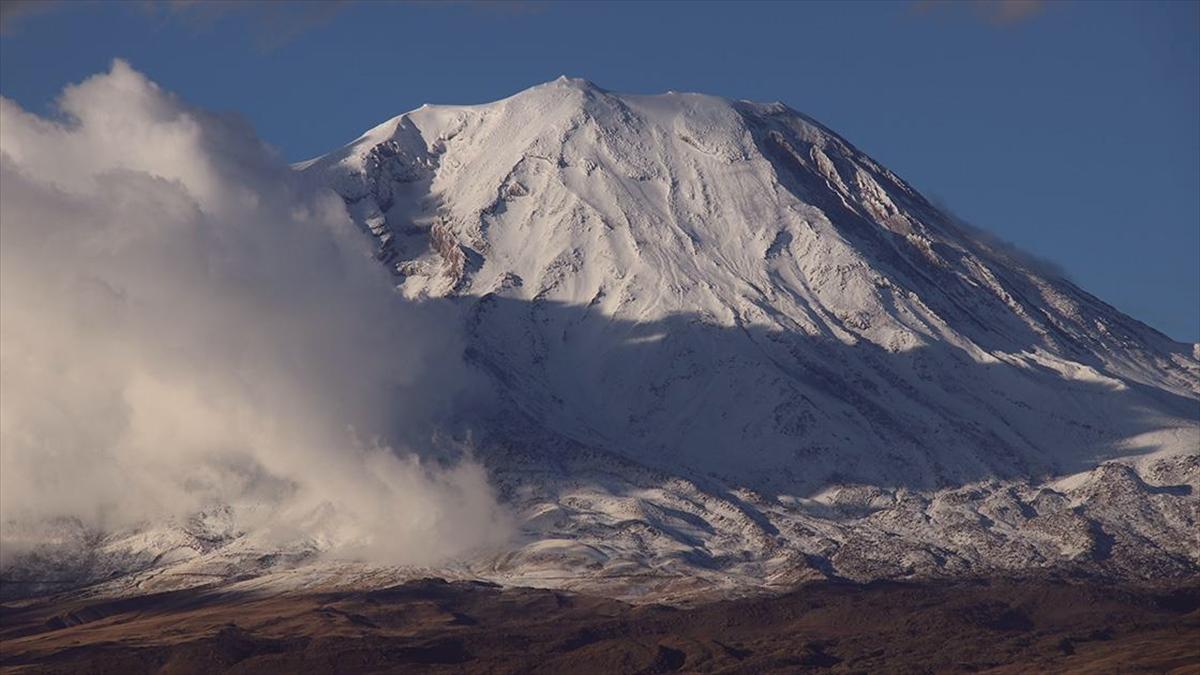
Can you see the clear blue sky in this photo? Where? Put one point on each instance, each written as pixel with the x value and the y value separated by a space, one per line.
pixel 1070 129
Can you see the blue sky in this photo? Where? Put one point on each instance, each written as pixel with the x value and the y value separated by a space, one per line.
pixel 1069 129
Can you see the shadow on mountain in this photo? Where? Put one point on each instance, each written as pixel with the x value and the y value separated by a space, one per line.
pixel 785 413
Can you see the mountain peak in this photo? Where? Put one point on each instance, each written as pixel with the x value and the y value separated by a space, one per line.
pixel 574 82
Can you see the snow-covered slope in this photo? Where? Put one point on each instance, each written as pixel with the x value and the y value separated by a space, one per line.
pixel 732 288
pixel 730 350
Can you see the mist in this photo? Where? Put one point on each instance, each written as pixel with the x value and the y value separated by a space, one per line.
pixel 183 328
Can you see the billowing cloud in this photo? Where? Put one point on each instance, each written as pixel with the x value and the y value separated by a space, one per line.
pixel 182 327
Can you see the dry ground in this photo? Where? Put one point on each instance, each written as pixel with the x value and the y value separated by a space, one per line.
pixel 431 626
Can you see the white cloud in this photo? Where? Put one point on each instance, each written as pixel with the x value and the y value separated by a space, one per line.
pixel 181 326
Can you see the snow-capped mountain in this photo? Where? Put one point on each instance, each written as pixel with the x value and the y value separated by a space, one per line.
pixel 730 295
pixel 730 351
pixel 730 287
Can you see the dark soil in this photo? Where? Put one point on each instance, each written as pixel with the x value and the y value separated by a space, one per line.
pixel 432 626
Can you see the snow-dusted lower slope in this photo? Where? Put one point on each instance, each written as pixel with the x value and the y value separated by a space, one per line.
pixel 602 525
pixel 731 351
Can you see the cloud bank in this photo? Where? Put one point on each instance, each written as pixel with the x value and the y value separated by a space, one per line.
pixel 182 327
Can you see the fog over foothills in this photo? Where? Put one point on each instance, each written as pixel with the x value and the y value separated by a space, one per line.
pixel 183 327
